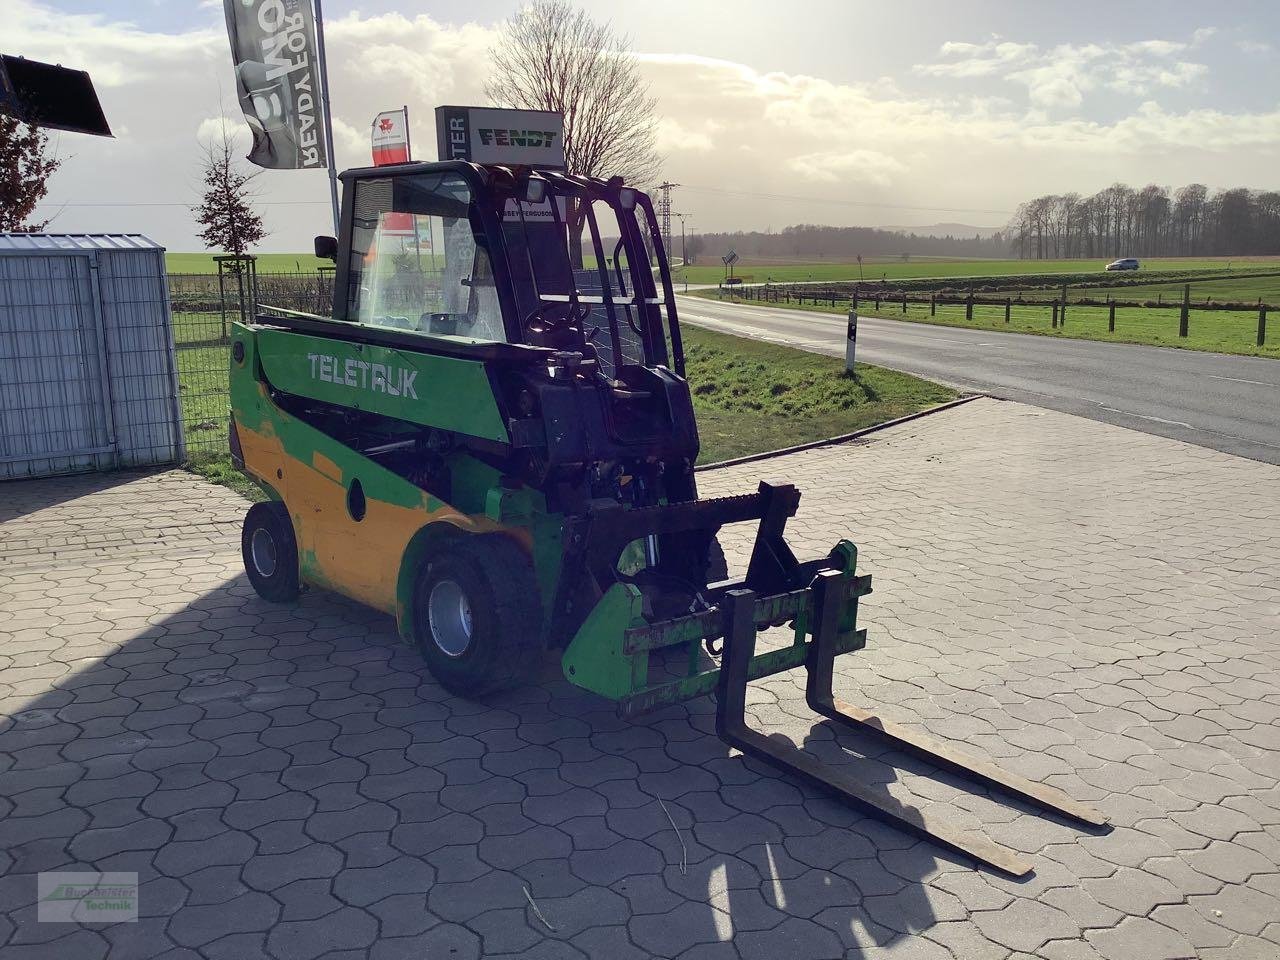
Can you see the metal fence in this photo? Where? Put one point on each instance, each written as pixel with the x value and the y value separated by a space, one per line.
pixel 1241 321
pixel 204 306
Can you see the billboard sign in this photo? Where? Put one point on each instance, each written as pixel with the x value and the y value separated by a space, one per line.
pixel 530 138
pixel 273 48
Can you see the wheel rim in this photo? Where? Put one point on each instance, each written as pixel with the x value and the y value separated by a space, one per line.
pixel 262 550
pixel 449 615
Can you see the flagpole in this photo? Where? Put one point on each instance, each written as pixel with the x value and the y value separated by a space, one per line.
pixel 328 116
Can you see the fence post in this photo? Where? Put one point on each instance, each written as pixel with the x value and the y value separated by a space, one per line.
pixel 855 298
pixel 1062 314
pixel 904 301
pixel 968 304
pixel 1184 318
pixel 877 301
pixel 1111 315
pixel 1008 306
pixel 933 304
pixel 1262 325
pixel 1053 322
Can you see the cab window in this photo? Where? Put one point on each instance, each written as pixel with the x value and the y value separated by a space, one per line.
pixel 415 261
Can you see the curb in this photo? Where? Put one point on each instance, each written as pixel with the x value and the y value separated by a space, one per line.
pixel 843 438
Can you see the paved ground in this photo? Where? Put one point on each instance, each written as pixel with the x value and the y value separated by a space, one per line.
pixel 1222 402
pixel 1094 607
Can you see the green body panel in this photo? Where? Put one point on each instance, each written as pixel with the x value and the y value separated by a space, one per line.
pixel 444 392
pixel 604 659
pixel 594 658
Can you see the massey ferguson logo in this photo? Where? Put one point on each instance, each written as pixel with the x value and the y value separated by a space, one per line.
pixel 374 377
pixel 516 138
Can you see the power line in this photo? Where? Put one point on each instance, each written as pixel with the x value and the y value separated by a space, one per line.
pixel 172 203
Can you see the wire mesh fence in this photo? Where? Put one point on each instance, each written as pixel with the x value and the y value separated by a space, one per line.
pixel 204 306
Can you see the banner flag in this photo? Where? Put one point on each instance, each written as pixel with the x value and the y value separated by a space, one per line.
pixel 273 47
pixel 391 137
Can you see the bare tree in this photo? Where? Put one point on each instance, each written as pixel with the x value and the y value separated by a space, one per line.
pixel 25 168
pixel 553 56
pixel 226 209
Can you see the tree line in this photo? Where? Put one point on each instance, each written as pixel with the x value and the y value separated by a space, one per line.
pixel 1152 222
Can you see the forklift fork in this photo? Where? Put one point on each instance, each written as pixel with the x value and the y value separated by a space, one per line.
pixel 731 726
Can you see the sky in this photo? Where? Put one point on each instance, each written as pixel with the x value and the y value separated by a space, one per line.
pixel 836 112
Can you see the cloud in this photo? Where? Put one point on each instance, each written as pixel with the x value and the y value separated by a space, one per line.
pixel 1059 78
pixel 1253 46
pixel 855 166
pixel 726 128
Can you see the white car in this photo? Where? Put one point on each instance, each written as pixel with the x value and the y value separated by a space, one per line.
pixel 1127 263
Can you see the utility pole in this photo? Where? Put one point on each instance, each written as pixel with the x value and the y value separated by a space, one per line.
pixel 684 247
pixel 664 216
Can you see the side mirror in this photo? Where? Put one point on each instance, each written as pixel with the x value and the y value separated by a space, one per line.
pixel 327 248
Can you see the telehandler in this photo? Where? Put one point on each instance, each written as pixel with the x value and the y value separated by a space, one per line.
pixel 492 440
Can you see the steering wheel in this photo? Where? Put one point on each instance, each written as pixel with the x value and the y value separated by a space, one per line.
pixel 554 316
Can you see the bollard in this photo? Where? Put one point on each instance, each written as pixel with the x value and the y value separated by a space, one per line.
pixel 1111 316
pixel 1184 316
pixel 1262 326
pixel 1008 306
pixel 851 340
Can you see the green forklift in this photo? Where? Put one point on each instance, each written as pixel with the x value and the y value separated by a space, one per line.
pixel 492 440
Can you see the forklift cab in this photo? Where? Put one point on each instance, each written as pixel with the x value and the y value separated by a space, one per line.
pixel 494 254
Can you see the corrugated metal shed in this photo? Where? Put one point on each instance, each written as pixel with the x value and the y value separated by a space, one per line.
pixel 88 371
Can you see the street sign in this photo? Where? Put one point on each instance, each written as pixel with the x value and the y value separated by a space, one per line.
pixel 730 257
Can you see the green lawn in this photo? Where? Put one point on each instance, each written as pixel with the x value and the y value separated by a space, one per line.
pixel 751 396
pixel 277 262
pixel 1245 290
pixel 1212 330
pixel 942 267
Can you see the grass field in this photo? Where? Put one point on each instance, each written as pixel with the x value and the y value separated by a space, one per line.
pixel 1245 290
pixel 943 267
pixel 1212 330
pixel 749 397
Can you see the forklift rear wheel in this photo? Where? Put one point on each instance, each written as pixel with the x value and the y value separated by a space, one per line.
pixel 270 552
pixel 476 618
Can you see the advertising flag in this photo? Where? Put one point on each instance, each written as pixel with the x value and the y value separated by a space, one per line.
pixel 391 137
pixel 273 47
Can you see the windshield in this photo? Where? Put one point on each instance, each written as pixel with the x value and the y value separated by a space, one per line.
pixel 583 271
pixel 415 260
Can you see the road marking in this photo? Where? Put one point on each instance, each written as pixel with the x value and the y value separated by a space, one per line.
pixel 1259 383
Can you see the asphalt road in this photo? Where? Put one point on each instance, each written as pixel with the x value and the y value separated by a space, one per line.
pixel 1227 403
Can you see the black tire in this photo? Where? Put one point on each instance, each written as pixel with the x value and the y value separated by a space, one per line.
pixel 476 616
pixel 270 552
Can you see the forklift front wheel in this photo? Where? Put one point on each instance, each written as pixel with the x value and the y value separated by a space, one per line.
pixel 476 615
pixel 270 552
